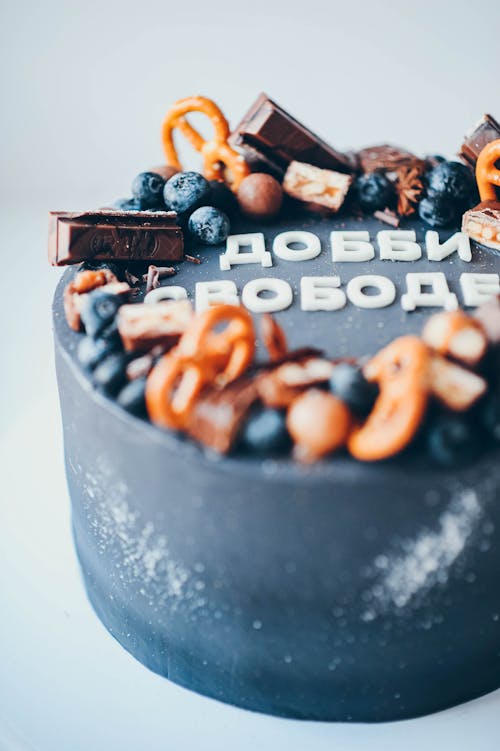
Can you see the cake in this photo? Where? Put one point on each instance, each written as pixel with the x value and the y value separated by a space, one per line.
pixel 308 527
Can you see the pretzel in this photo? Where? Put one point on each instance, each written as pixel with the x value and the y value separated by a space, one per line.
pixel 402 372
pixel 216 153
pixel 487 174
pixel 273 337
pixel 201 357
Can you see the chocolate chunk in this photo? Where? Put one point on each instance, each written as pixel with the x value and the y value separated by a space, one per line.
pixel 218 414
pixel 142 326
pixel 387 158
pixel 270 139
pixel 482 224
pixel 483 132
pixel 114 235
pixel 318 188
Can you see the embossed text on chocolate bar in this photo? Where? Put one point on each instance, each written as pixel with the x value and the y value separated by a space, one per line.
pixel 114 235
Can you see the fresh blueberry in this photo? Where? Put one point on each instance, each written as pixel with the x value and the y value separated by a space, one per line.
pixel 147 189
pixel 265 432
pixel 223 198
pixel 453 180
pixel 349 384
pixel 90 351
pixel 131 397
pixel 209 225
pixel 452 440
pixel 374 192
pixel 185 191
pixel 127 204
pixel 110 375
pixel 98 311
pixel 439 211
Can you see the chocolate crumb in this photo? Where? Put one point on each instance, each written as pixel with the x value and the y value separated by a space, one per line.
pixel 155 273
pixel 192 259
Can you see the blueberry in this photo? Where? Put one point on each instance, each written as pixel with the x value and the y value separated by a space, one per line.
pixel 90 351
pixel 99 311
pixel 374 192
pixel 453 180
pixel 223 198
pixel 209 225
pixel 110 375
pixel 131 397
pixel 185 191
pixel 349 384
pixel 452 440
pixel 127 204
pixel 147 189
pixel 265 432
pixel 438 211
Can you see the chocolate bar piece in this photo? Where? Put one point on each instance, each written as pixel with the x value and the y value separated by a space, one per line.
pixel 482 224
pixel 114 235
pixel 269 135
pixel 387 158
pixel 219 413
pixel 483 132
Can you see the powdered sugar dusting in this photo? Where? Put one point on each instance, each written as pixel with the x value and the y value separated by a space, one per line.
pixel 143 556
pixel 426 559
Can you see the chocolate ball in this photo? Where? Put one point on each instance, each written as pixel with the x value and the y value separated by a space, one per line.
pixel 260 196
pixel 165 170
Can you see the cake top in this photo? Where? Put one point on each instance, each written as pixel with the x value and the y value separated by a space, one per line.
pixel 354 262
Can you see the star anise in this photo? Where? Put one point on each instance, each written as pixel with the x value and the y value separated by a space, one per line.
pixel 409 188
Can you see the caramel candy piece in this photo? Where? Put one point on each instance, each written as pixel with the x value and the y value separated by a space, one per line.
pixel 488 316
pixel 319 424
pixel 75 293
pixel 481 134
pixel 278 387
pixel 456 334
pixel 454 386
pixel 387 158
pixel 482 224
pixel 218 414
pixel 320 188
pixel 143 326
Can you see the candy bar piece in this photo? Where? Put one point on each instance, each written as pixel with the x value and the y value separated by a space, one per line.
pixel 114 235
pixel 454 386
pixel 482 224
pixel 269 136
pixel 488 315
pixel 320 188
pixel 75 293
pixel 456 334
pixel 387 158
pixel 278 387
pixel 482 133
pixel 143 326
pixel 218 414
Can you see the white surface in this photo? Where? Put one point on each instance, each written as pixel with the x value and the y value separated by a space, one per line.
pixel 83 93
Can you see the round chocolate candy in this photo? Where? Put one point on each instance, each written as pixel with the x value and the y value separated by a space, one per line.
pixel 260 196
pixel 165 170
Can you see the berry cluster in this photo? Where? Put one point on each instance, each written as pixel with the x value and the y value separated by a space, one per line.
pixel 203 207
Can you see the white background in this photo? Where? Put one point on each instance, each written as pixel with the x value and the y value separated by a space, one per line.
pixel 83 89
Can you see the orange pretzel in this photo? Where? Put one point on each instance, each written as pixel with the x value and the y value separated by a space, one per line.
pixel 402 372
pixel 216 153
pixel 273 337
pixel 487 173
pixel 201 357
